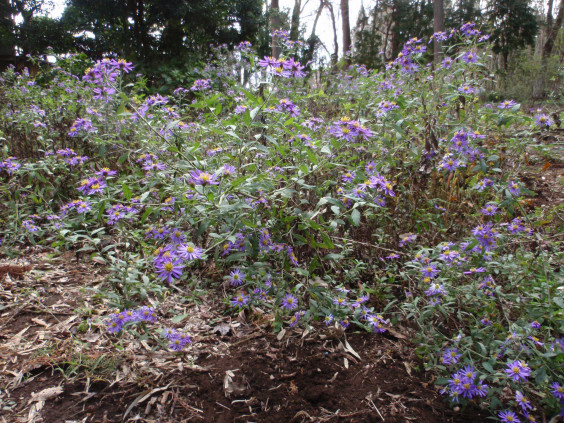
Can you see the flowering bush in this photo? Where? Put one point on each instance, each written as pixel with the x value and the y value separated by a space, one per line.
pixel 364 199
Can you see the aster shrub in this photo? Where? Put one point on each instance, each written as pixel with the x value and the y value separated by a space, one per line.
pixel 351 199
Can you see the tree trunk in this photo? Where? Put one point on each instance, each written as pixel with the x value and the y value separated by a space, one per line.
pixel 346 29
pixel 438 26
pixel 7 47
pixel 312 38
pixel 295 27
pixel 335 55
pixel 553 31
pixel 275 24
pixel 552 34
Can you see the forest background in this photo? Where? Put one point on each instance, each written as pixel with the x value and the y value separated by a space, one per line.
pixel 170 41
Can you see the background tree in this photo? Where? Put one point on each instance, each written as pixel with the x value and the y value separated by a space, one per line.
pixel 513 26
pixel 7 39
pixel 295 23
pixel 438 26
pixel 347 44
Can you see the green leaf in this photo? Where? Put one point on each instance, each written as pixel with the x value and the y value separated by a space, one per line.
pixel 126 192
pixel 355 217
pixel 179 318
pixel 254 112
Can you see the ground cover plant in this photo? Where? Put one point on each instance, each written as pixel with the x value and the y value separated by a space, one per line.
pixel 394 202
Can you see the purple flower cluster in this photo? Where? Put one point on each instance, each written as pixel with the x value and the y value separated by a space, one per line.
pixel 150 163
pixel 178 340
pixel 79 205
pixel 106 70
pixel 201 85
pixel 118 320
pixel 486 236
pixel 465 383
pixel 381 184
pixel 282 67
pixel 10 165
pixel 287 106
pixel 450 356
pixel 93 185
pixel 29 224
pixel 376 322
pixel 118 212
pixel 469 30
pixel 405 58
pixel 71 157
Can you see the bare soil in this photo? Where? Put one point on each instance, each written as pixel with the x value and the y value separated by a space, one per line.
pixel 58 364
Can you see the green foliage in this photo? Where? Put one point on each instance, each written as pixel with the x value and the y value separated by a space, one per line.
pixel 42 34
pixel 513 26
pixel 362 199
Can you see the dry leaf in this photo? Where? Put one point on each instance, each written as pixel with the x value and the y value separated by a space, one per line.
pixel 47 394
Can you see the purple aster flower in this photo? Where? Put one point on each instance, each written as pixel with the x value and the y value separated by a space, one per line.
pixel 507 104
pixel 292 256
pixel 178 340
pixel 489 210
pixel 406 239
pixel 470 57
pixel 105 172
pixel 535 325
pixel 295 68
pixel 268 62
pixel 543 120
pixel 236 277
pixel 240 301
pixel 447 63
pixel 229 170
pixel 483 184
pixel 514 189
pixel 359 191
pixel 522 401
pixel 481 389
pixel 370 168
pixel 557 390
pixel 360 300
pixel 450 356
pixel 289 302
pixel 515 226
pixel 449 162
pixel 199 177
pixel 114 326
pixel 508 416
pixel 474 270
pixel 295 318
pixel 429 271
pixel 436 289
pixel 518 370
pixel 189 252
pixel 169 269
pixel 348 176
pixel 328 319
pixel 82 206
pixel 240 109
pixel 466 89
pixel 146 314
pixel 340 301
